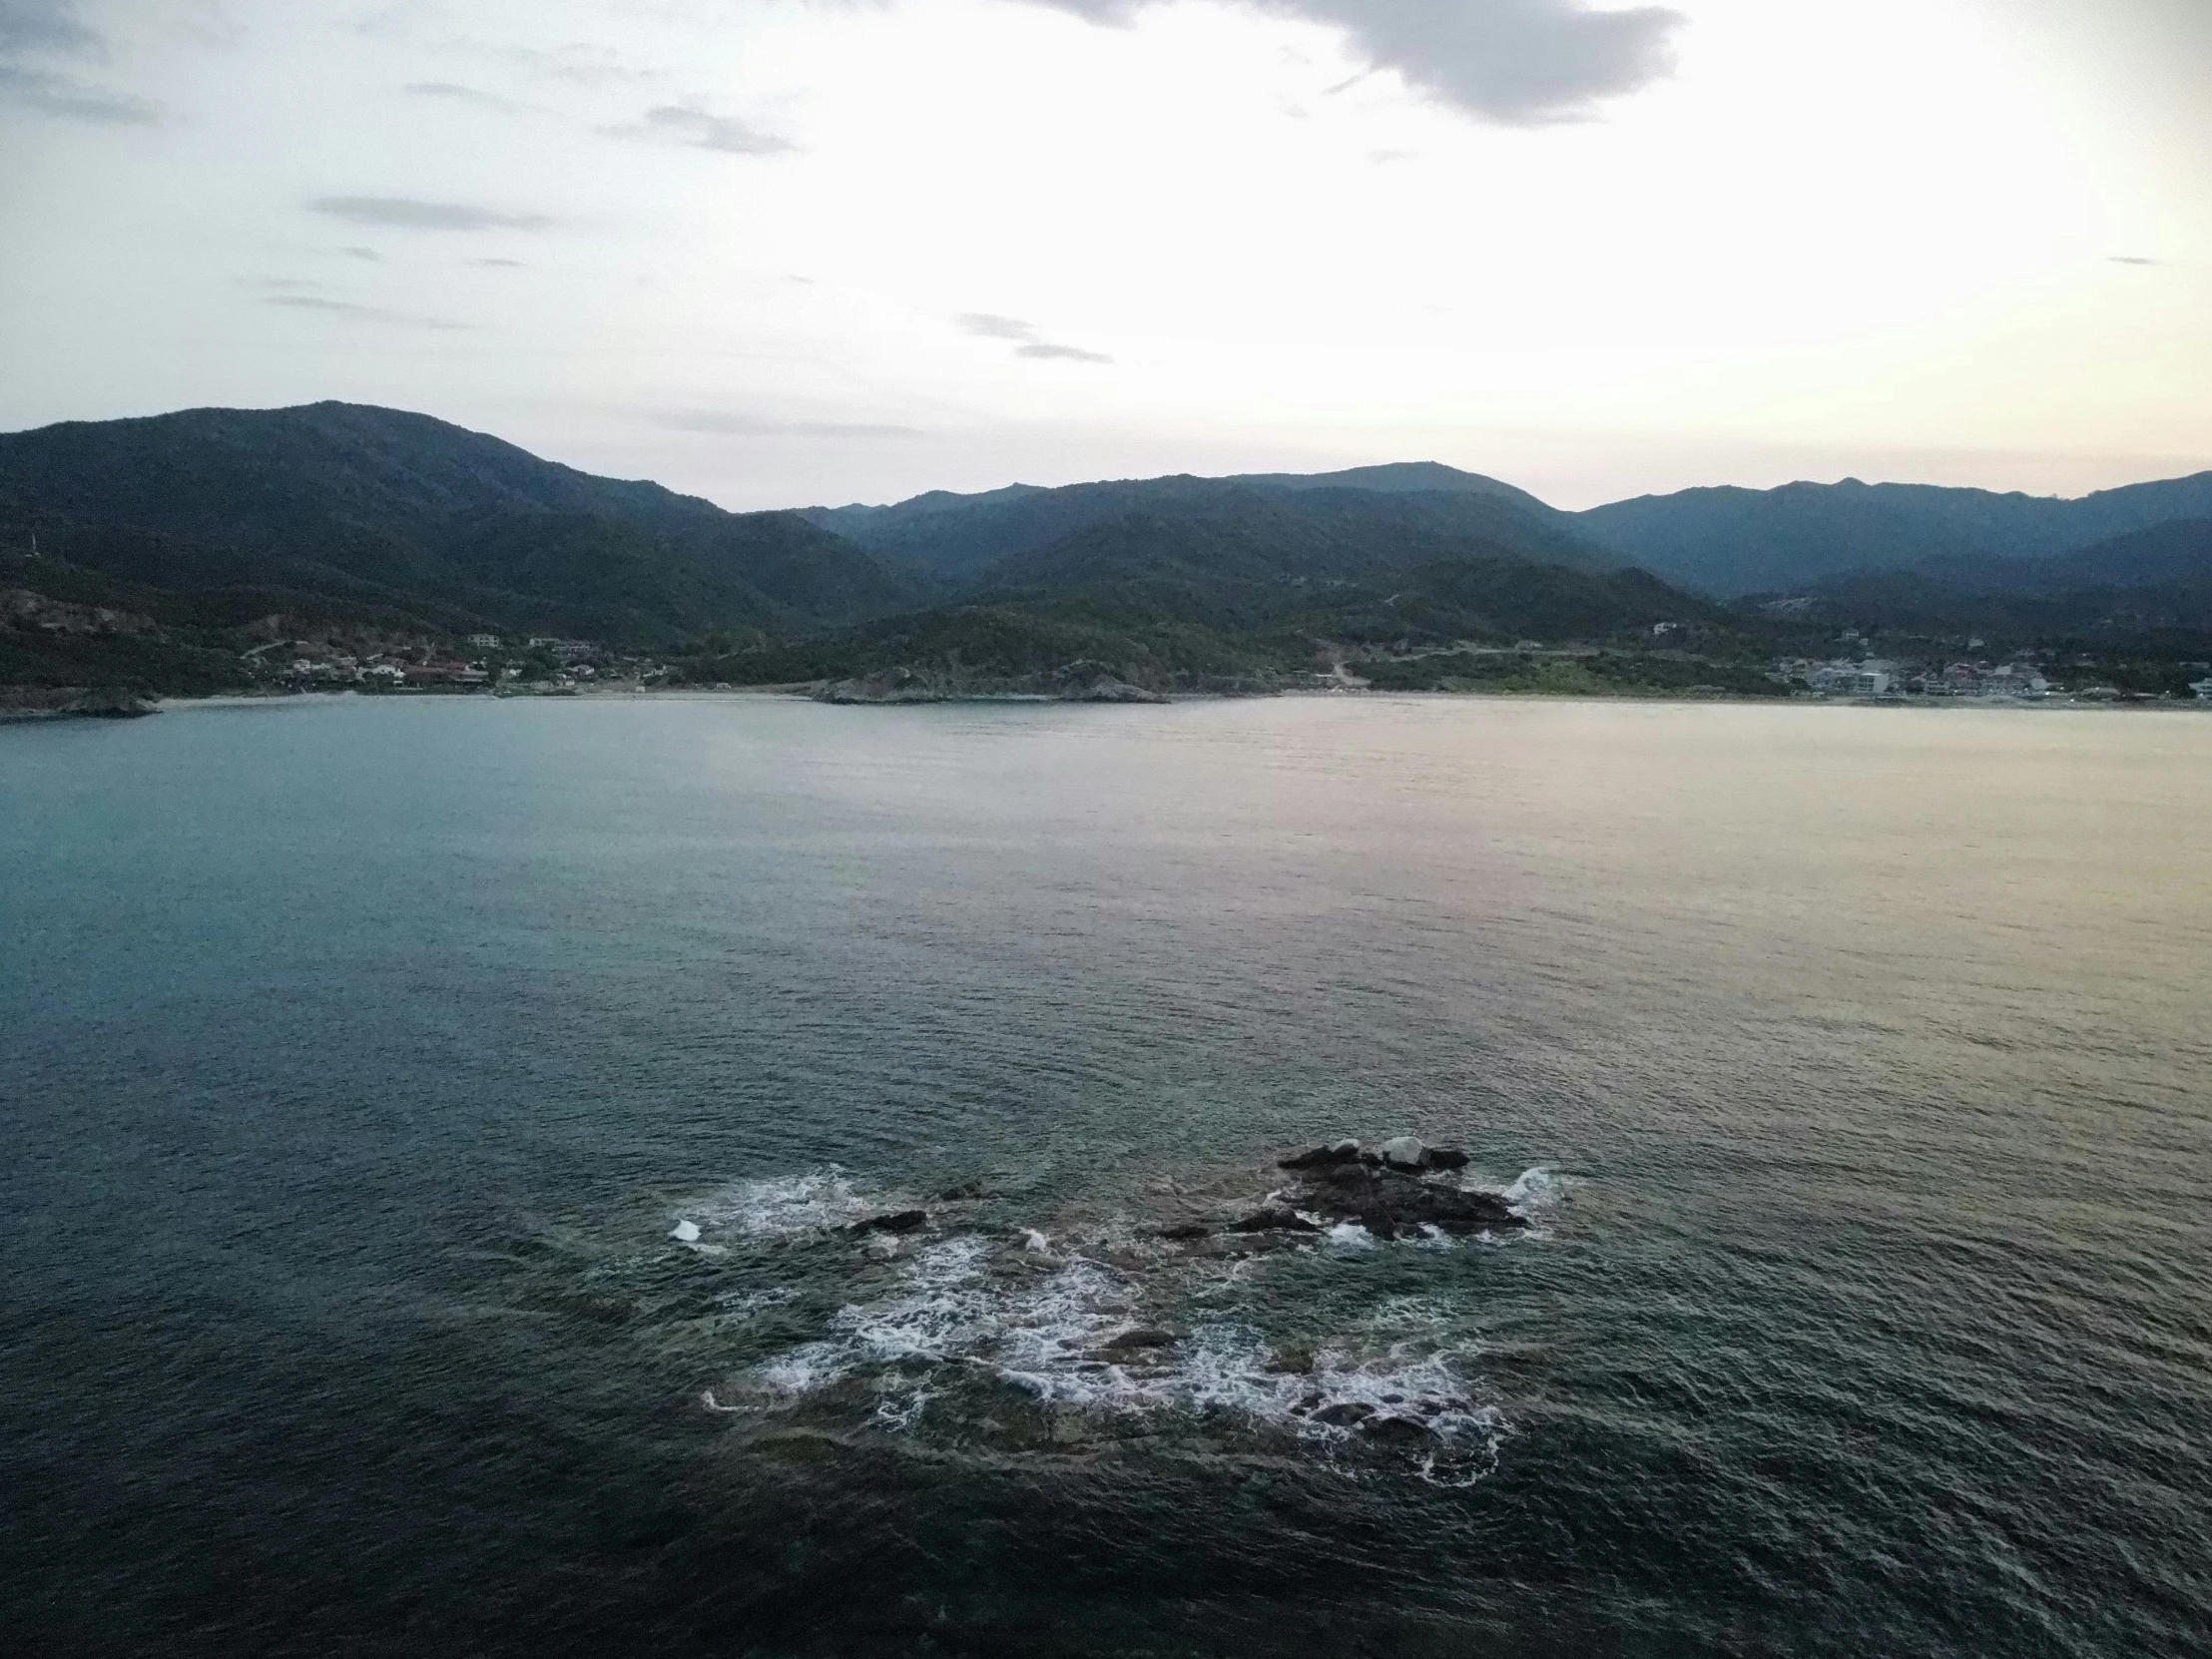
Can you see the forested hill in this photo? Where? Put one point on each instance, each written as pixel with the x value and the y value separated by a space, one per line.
pixel 338 512
pixel 204 533
pixel 960 538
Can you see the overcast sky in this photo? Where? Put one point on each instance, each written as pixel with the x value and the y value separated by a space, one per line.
pixel 782 251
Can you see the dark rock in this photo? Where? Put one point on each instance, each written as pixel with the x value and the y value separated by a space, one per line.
pixel 1129 1341
pixel 1184 1232
pixel 894 1221
pixel 1441 1157
pixel 966 1192
pixel 1340 1152
pixel 890 685
pixel 1396 1431
pixel 1345 1414
pixel 1106 689
pixel 1273 1220
pixel 1395 1204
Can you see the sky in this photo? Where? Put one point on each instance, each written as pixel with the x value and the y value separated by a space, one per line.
pixel 789 251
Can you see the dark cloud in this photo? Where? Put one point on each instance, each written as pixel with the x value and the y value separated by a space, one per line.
pixel 43 26
pixel 696 129
pixel 406 214
pixel 990 326
pixel 71 98
pixel 360 252
pixel 360 314
pixel 52 28
pixel 1523 62
pixel 760 426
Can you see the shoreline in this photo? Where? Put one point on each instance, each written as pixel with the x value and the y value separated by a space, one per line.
pixel 803 692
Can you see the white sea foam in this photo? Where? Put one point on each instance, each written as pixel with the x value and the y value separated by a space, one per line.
pixel 744 1304
pixel 1053 1338
pixel 1537 1189
pixel 806 1368
pixel 787 1206
pixel 685 1232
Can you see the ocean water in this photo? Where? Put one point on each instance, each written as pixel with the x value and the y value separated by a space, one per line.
pixel 433 1131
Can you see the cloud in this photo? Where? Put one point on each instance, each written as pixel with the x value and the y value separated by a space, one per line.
pixel 360 314
pixel 406 214
pixel 43 26
pixel 760 426
pixel 1521 62
pixel 453 93
pixel 504 264
pixel 50 28
pixel 72 99
pixel 995 327
pixel 696 130
pixel 990 326
pixel 360 254
pixel 2124 258
pixel 1065 353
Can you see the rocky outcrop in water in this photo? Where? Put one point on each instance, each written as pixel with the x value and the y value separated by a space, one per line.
pixel 1391 1192
pixel 1076 682
pixel 71 703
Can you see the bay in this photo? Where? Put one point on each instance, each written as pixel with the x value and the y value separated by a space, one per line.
pixel 360 1060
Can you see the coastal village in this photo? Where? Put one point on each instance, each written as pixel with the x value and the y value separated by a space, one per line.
pixel 539 664
pixel 481 662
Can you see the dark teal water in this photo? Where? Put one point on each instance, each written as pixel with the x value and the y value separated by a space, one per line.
pixel 358 1061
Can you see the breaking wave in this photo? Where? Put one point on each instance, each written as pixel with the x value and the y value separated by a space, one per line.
pixel 1072 1336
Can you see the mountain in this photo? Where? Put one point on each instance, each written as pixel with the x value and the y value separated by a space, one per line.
pixel 2150 590
pixel 957 541
pixel 1730 541
pixel 1262 597
pixel 333 507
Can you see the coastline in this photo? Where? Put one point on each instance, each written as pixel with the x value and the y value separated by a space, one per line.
pixel 808 692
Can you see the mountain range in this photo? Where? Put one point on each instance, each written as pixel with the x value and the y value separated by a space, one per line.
pixel 206 527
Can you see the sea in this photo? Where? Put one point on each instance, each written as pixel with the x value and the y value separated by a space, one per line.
pixel 459 1163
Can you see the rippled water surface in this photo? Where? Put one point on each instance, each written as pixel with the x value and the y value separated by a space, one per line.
pixel 441 1139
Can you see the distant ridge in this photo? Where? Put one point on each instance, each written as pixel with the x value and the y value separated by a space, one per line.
pixel 1729 541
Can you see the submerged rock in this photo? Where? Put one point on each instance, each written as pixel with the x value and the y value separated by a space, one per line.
pixel 1273 1220
pixel 1345 1414
pixel 1397 1429
pixel 894 1221
pixel 1340 1152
